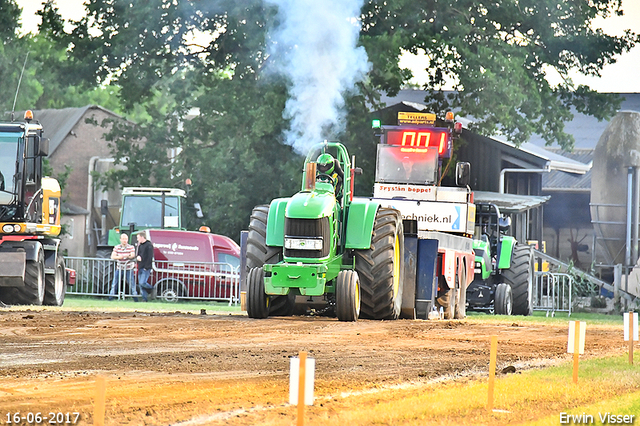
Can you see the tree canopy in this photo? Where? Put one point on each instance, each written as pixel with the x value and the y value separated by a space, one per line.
pixel 165 58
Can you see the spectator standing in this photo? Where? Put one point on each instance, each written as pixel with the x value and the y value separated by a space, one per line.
pixel 124 253
pixel 145 261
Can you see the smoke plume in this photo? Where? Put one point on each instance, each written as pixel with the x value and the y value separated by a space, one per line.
pixel 314 45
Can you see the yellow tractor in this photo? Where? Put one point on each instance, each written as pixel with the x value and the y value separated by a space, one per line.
pixel 32 271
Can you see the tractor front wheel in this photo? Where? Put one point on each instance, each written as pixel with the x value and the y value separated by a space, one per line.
pixel 381 268
pixel 257 300
pixel 347 296
pixel 258 254
pixel 503 299
pixel 55 286
pixel 520 277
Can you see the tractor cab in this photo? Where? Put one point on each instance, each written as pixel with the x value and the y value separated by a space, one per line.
pixel 328 170
pixel 23 191
pixel 148 208
pixel 489 234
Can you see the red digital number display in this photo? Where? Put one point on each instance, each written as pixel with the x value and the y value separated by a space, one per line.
pixel 417 140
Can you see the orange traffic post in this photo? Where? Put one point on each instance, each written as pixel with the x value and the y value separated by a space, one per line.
pixel 492 371
pixel 99 408
pixel 301 385
pixel 576 351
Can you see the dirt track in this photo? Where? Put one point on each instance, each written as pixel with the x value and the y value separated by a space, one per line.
pixel 167 368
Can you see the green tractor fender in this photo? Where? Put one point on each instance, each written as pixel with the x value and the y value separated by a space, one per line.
pixel 360 220
pixel 505 250
pixel 482 251
pixel 275 222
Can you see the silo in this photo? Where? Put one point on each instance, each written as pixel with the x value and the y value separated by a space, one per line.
pixel 616 163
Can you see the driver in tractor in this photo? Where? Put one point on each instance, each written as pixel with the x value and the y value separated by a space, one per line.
pixel 327 165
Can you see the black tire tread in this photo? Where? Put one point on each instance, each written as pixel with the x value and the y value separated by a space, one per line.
pixel 501 303
pixel 50 282
pixel 375 268
pixel 257 300
pixel 346 296
pixel 29 294
pixel 520 276
pixel 258 254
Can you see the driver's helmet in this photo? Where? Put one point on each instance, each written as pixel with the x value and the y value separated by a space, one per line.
pixel 504 222
pixel 325 163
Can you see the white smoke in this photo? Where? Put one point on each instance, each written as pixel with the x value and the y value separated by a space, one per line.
pixel 315 46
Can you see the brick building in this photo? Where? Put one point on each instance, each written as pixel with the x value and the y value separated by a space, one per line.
pixel 77 140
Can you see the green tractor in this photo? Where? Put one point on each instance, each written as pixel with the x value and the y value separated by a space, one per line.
pixel 504 268
pixel 322 243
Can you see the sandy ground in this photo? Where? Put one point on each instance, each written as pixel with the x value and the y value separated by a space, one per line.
pixel 179 368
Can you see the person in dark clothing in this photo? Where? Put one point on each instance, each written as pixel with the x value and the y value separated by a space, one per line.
pixel 327 165
pixel 145 260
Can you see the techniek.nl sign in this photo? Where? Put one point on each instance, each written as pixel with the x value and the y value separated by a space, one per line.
pixel 444 217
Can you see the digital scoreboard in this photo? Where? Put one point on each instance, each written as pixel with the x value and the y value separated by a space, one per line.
pixel 420 139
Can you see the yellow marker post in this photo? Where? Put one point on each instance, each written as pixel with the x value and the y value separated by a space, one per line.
pixel 576 352
pixel 631 331
pixel 301 385
pixel 575 344
pixel 99 408
pixel 492 371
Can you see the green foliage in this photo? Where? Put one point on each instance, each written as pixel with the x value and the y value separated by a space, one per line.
pixel 498 54
pixel 162 58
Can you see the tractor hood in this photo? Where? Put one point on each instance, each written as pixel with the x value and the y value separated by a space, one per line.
pixel 312 205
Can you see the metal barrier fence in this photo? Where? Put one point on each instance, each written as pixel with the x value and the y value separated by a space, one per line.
pixel 552 292
pixel 173 281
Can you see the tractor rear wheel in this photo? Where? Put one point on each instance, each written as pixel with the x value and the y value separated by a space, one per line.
pixel 381 268
pixel 257 300
pixel 55 287
pixel 258 254
pixel 520 277
pixel 502 304
pixel 347 296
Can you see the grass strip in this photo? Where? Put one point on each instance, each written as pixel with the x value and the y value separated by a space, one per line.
pixel 536 397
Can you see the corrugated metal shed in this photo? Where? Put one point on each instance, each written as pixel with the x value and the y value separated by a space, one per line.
pixel 510 203
pixel 568 182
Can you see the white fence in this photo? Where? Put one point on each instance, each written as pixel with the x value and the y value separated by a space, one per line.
pixel 552 292
pixel 173 281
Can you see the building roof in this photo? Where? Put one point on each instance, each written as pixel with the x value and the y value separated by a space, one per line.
pixel 510 203
pixel 559 181
pixel 587 129
pixel 555 161
pixel 57 123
